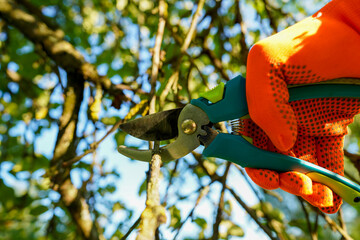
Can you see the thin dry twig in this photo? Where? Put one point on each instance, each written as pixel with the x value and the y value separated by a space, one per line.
pixel 131 229
pixel 94 146
pixel 252 213
pixel 216 61
pixel 173 80
pixel 172 174
pixel 334 225
pixel 307 217
pixel 341 219
pixel 156 53
pixel 203 192
pixel 354 158
pixel 239 19
pixel 216 225
pixel 192 29
pixel 316 226
pixel 270 16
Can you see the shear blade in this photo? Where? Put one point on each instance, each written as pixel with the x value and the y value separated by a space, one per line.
pixel 184 143
pixel 155 127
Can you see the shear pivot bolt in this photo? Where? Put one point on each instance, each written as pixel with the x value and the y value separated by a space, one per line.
pixel 188 126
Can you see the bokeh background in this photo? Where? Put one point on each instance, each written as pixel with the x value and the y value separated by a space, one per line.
pixel 72 71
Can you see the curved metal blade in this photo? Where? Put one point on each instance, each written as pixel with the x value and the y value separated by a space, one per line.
pixel 155 127
pixel 183 145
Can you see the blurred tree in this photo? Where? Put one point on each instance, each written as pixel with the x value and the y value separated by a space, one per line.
pixel 72 71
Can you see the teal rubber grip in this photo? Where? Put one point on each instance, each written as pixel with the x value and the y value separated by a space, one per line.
pixel 236 149
pixel 234 104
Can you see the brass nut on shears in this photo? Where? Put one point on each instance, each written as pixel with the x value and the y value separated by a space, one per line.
pixel 188 126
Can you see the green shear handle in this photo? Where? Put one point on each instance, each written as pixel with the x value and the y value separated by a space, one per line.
pixel 232 105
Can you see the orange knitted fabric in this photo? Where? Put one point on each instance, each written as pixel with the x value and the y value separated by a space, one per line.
pixel 321 125
pixel 322 47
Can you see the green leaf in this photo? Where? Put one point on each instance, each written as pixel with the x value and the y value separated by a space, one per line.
pixel 38 210
pixel 201 222
pixel 7 193
pixel 175 217
pixel 110 188
pixel 120 138
pixel 142 187
pixel 109 120
pixel 236 231
pixel 117 206
pixel 231 229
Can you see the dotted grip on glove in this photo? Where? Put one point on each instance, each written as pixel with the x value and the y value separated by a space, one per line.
pixel 321 124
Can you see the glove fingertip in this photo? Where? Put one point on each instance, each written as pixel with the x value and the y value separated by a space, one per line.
pixel 264 178
pixel 283 141
pixel 296 183
pixel 337 202
pixel 322 196
pixel 278 121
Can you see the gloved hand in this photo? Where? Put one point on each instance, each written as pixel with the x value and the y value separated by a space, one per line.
pixel 322 47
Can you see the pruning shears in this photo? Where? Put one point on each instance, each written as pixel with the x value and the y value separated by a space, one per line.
pixel 192 125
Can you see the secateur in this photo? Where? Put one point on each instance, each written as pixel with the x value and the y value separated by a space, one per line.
pixel 192 126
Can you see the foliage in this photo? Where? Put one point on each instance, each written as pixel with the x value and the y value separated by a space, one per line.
pixel 117 39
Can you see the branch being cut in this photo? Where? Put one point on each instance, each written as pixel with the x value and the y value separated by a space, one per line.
pixel 154 213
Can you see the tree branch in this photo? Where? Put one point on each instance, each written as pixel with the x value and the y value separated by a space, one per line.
pixel 94 145
pixel 216 61
pixel 173 80
pixel 191 32
pixel 252 213
pixel 37 12
pixel 239 19
pixel 131 229
pixel 308 222
pixel 156 53
pixel 271 18
pixel 216 225
pixel 334 225
pixel 52 42
pixel 203 192
pixel 154 213
pixel 354 158
pixel 65 148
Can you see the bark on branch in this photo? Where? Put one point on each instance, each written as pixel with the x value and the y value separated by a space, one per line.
pixel 65 149
pixel 53 43
pixel 354 158
pixel 154 213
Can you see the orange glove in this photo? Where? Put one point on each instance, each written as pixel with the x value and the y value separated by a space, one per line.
pixel 322 47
